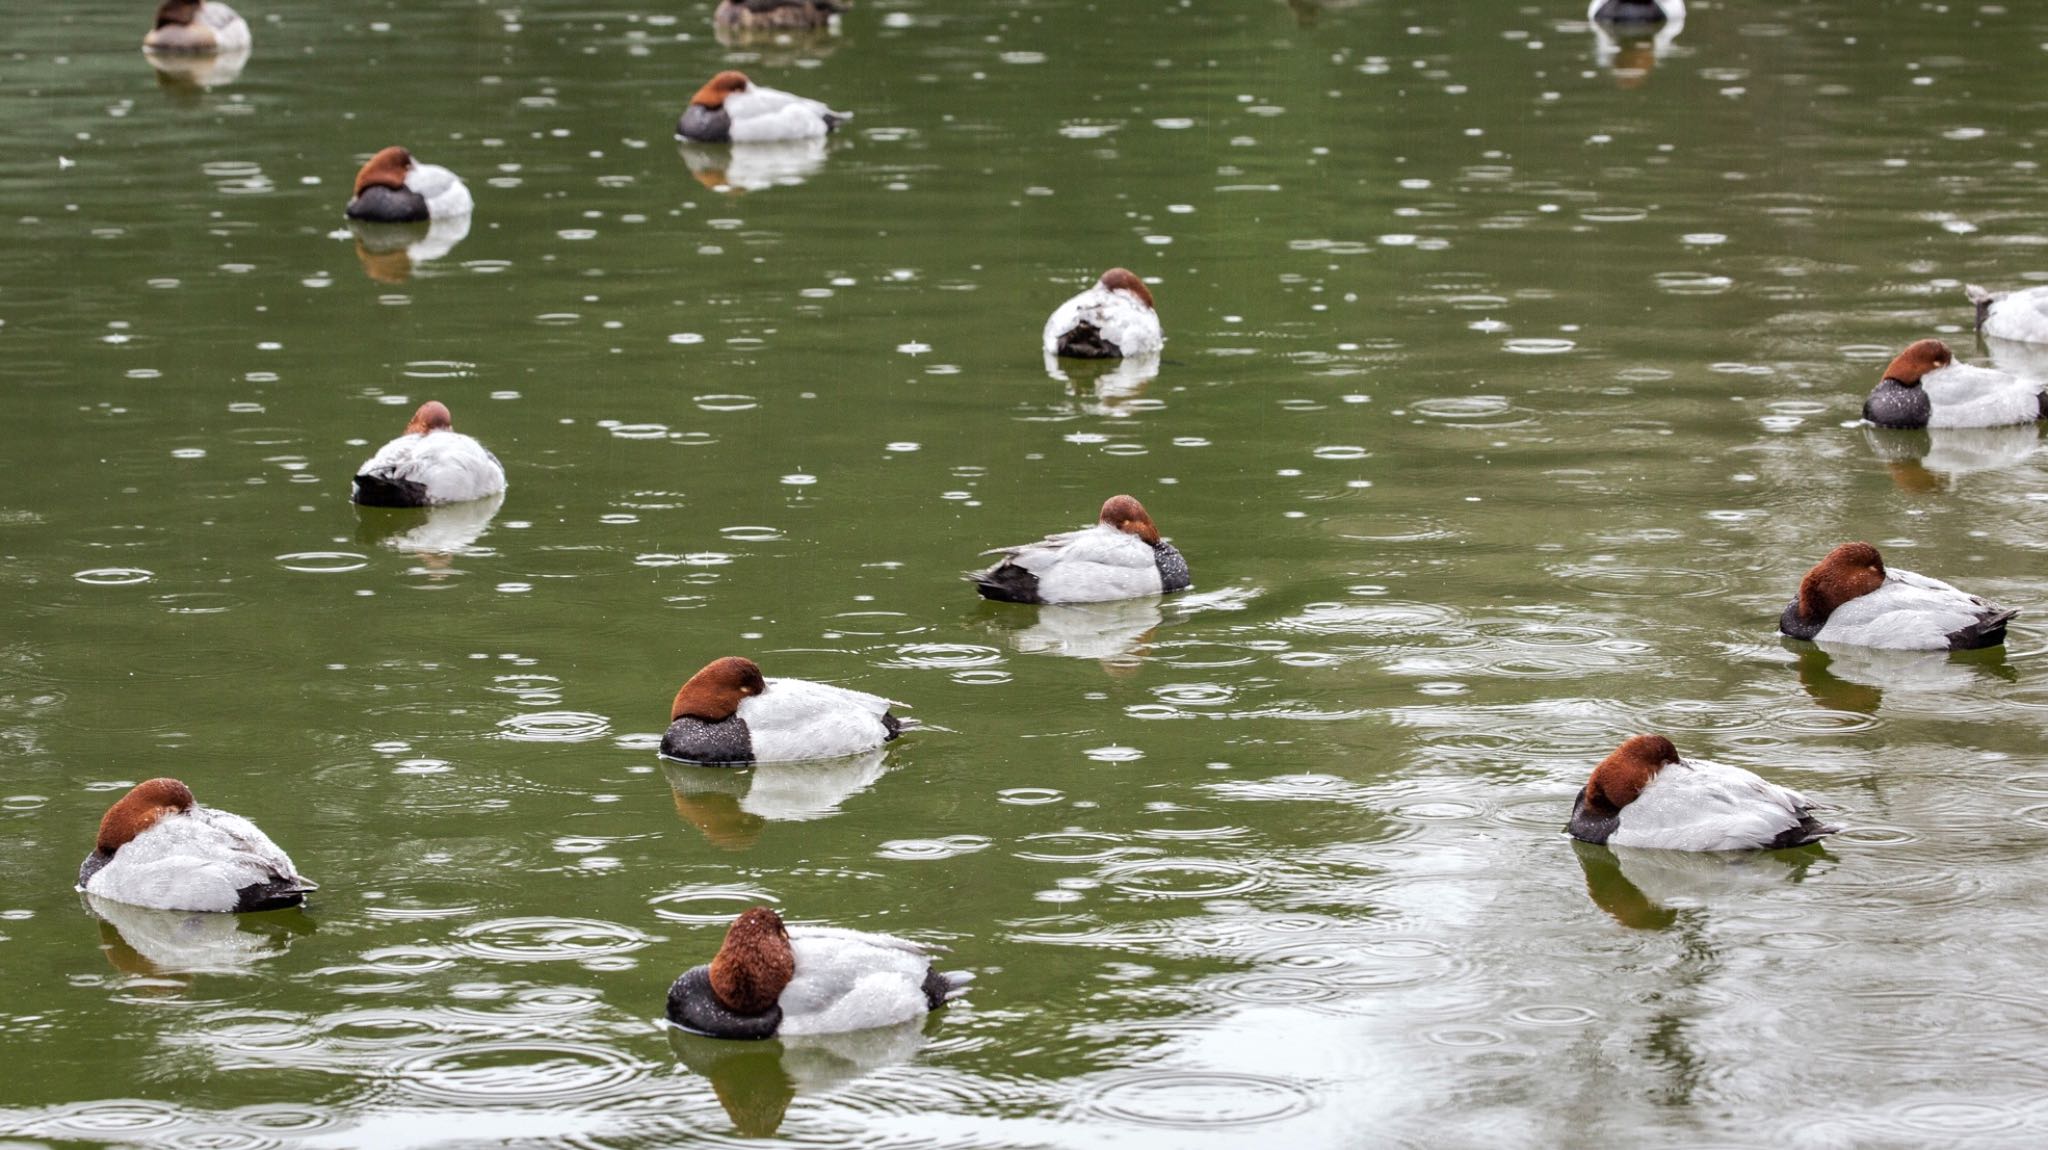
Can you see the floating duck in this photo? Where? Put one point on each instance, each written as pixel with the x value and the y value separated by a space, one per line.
pixel 768 980
pixel 394 188
pixel 2020 315
pixel 731 109
pixel 1114 318
pixel 1851 598
pixel 1121 557
pixel 1644 795
pixel 197 27
pixel 729 715
pixel 158 847
pixel 777 15
pixel 430 464
pixel 1925 387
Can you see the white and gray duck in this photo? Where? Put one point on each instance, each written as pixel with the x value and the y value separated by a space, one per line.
pixel 1121 557
pixel 729 714
pixel 1851 598
pixel 731 109
pixel 158 847
pixel 1924 386
pixel 769 980
pixel 1644 795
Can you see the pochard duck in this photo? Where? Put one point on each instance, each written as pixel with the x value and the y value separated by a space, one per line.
pixel 729 715
pixel 1644 795
pixel 779 15
pixel 199 27
pixel 1851 598
pixel 430 464
pixel 1121 557
pixel 1112 319
pixel 1925 387
pixel 394 188
pixel 1634 11
pixel 731 109
pixel 768 980
pixel 2019 315
pixel 159 848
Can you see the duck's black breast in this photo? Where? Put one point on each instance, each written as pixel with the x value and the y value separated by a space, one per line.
pixel 692 1006
pixel 1590 826
pixel 1173 568
pixel 705 125
pixel 1893 404
pixel 1630 12
pixel 388 206
pixel 727 743
pixel 1796 625
pixel 92 864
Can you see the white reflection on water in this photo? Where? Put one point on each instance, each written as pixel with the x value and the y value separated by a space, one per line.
pixel 391 253
pixel 731 804
pixel 753 167
pixel 144 941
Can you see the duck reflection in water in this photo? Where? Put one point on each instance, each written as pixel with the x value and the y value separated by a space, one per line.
pixel 1931 459
pixel 165 943
pixel 1659 889
pixel 756 1081
pixel 435 534
pixel 1856 678
pixel 752 167
pixel 1630 36
pixel 390 253
pixel 732 806
pixel 1117 633
pixel 1104 386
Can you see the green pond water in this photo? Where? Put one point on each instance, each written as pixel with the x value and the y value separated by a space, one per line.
pixel 1511 384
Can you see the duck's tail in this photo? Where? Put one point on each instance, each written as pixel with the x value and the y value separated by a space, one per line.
pixel 1988 631
pixel 1005 582
pixel 943 986
pixel 1809 830
pixel 386 491
pixel 1983 299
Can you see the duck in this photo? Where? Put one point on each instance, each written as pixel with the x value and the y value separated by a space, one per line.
pixel 2021 315
pixel 1925 387
pixel 1851 598
pixel 1120 557
pixel 728 714
pixel 1113 319
pixel 197 27
pixel 429 465
pixel 1635 11
pixel 159 848
pixel 731 109
pixel 779 15
pixel 768 981
pixel 1643 795
pixel 394 188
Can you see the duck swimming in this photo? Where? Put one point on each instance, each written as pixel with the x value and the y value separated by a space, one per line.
pixel 731 109
pixel 2020 315
pixel 1644 795
pixel 1925 387
pixel 729 715
pixel 158 847
pixel 769 980
pixel 779 15
pixel 1112 319
pixel 199 27
pixel 1120 557
pixel 430 464
pixel 394 188
pixel 1851 597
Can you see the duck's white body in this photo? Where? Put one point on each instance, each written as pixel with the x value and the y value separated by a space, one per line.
pixel 852 980
pixel 799 719
pixel 2020 315
pixel 760 115
pixel 446 195
pixel 1909 612
pixel 450 466
pixel 1092 565
pixel 1699 806
pixel 1121 317
pixel 1963 395
pixel 216 28
pixel 199 859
